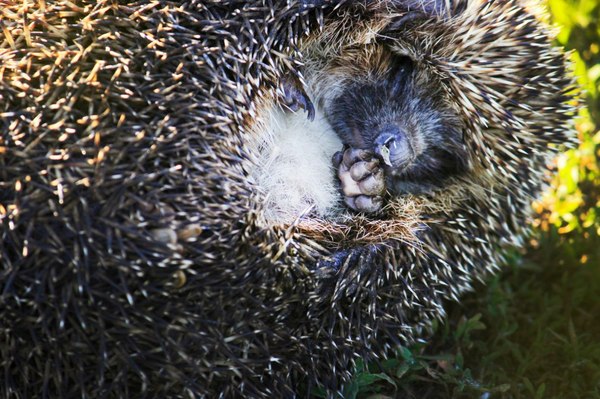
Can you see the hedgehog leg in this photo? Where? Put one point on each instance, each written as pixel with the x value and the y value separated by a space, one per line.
pixel 294 97
pixel 361 179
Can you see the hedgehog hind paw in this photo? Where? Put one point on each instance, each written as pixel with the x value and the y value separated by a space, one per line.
pixel 295 98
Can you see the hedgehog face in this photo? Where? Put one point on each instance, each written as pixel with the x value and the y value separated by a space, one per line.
pixel 388 104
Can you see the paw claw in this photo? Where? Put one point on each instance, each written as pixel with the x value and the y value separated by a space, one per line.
pixel 310 109
pixel 368 204
pixel 350 202
pixel 373 184
pixel 361 170
pixel 351 156
pixel 337 159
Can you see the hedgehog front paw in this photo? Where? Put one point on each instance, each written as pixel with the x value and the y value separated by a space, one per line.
pixel 361 179
pixel 294 97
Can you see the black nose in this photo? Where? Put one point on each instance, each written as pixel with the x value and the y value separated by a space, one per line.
pixel 393 147
pixel 386 137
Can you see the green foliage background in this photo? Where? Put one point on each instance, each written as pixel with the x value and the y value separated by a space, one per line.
pixel 534 330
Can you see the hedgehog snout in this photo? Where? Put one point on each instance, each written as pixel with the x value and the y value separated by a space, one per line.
pixel 393 147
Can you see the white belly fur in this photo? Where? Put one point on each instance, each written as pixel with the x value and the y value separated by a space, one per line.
pixel 293 169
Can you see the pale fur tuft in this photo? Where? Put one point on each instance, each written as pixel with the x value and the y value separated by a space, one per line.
pixel 293 165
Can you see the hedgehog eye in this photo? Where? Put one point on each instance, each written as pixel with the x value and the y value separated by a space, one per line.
pixel 402 65
pixel 403 61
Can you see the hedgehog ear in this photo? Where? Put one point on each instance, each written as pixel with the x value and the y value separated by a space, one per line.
pixel 418 11
pixel 428 7
pixel 405 21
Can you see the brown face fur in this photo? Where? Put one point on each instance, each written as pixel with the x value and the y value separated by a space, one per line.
pixel 390 104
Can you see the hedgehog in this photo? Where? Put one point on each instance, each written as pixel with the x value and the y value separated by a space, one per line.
pixel 174 225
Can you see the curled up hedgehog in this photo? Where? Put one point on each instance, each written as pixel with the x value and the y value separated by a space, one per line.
pixel 242 198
